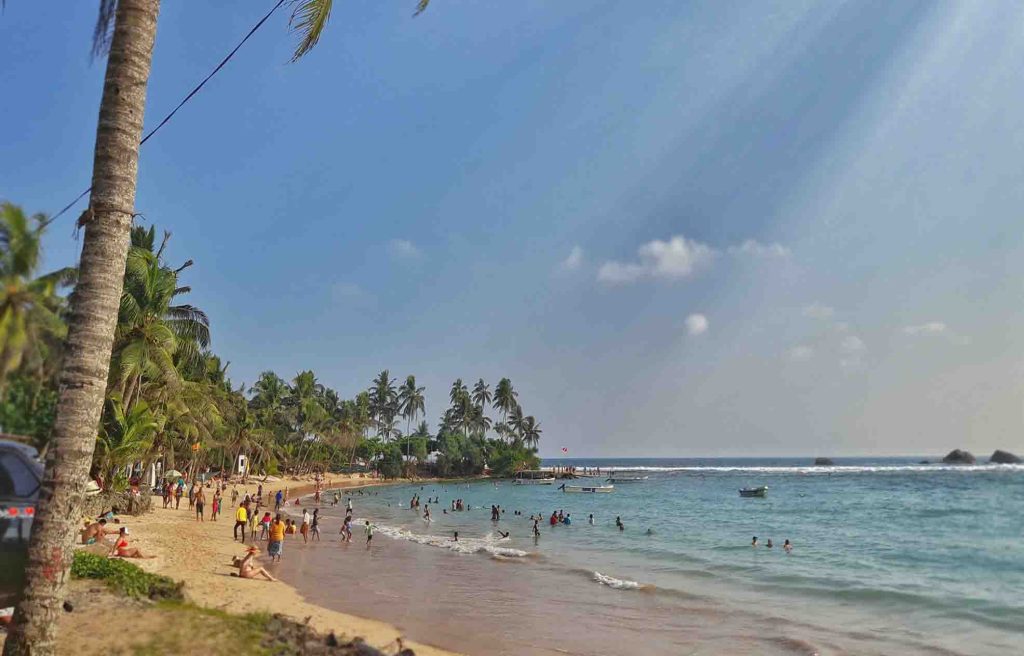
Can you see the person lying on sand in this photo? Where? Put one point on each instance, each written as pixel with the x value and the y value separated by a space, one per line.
pixel 248 568
pixel 95 532
pixel 121 548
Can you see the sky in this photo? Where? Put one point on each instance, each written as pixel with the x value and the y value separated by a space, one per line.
pixel 680 228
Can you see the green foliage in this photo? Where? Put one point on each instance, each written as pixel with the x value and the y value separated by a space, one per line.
pixel 28 406
pixel 125 577
pixel 391 463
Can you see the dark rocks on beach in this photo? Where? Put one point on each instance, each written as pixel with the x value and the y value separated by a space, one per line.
pixel 823 462
pixel 959 457
pixel 286 637
pixel 1005 458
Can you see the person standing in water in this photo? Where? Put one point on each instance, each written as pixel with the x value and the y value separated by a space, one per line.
pixel 787 546
pixel 590 520
pixel 753 542
pixel 314 528
pixel 426 512
pixel 618 522
pixel 369 533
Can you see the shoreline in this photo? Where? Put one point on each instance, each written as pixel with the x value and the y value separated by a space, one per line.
pixel 199 554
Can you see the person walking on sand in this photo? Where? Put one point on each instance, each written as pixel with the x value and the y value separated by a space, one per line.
pixel 369 533
pixel 241 517
pixel 276 544
pixel 178 492
pixel 314 527
pixel 200 501
pixel 304 529
pixel 215 505
pixel 278 498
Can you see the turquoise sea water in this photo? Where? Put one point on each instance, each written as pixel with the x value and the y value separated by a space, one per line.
pixel 889 555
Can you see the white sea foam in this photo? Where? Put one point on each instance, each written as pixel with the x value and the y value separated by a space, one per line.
pixel 618 584
pixel 834 469
pixel 488 544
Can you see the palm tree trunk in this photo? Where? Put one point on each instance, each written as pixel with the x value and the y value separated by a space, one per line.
pixel 94 308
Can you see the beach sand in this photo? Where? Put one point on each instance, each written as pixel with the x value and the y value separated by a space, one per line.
pixel 199 553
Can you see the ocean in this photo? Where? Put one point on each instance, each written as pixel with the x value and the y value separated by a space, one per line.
pixel 889 556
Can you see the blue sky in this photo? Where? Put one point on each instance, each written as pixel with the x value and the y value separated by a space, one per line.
pixel 681 228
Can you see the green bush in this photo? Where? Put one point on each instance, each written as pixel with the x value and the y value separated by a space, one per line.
pixel 124 577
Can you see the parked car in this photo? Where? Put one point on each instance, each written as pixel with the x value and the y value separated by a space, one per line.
pixel 20 475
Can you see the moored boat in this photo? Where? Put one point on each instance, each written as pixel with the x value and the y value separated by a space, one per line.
pixel 587 489
pixel 754 491
pixel 533 477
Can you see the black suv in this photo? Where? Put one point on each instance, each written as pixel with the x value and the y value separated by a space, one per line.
pixel 20 474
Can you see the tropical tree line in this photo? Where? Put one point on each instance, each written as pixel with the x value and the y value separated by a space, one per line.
pixel 169 399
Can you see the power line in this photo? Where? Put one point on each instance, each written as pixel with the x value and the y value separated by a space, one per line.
pixel 174 111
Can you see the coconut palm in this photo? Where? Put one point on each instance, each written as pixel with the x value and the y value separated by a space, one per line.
pixel 411 404
pixel 30 308
pixel 125 436
pixel 384 403
pixel 531 431
pixel 505 398
pixel 482 394
pixel 126 29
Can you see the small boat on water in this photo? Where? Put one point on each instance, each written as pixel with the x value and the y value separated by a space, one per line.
pixel 586 489
pixel 754 491
pixel 533 477
pixel 627 478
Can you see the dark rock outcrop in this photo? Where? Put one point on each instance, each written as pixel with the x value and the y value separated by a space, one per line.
pixel 959 457
pixel 1005 458
pixel 823 462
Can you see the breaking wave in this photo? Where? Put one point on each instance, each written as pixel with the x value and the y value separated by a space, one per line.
pixel 488 544
pixel 620 584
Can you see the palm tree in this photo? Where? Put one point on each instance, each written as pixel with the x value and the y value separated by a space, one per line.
pixel 30 309
pixel 411 404
pixel 531 432
pixel 505 398
pixel 384 403
pixel 515 421
pixel 126 436
pixel 482 394
pixel 128 27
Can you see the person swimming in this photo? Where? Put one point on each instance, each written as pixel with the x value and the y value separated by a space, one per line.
pixel 650 531
pixel 590 519
pixel 769 544
pixel 753 542
pixel 618 522
pixel 787 546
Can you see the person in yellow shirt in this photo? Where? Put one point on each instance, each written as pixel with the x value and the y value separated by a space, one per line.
pixel 241 516
pixel 276 543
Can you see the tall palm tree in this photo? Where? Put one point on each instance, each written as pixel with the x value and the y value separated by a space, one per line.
pixel 505 398
pixel 531 431
pixel 127 29
pixel 482 394
pixel 30 308
pixel 411 403
pixel 515 421
pixel 384 403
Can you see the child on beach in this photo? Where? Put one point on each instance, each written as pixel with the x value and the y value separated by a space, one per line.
pixel 369 533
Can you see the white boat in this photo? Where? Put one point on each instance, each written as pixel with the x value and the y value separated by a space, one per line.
pixel 627 478
pixel 587 489
pixel 533 478
pixel 757 492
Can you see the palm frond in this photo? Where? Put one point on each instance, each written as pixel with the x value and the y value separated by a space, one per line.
pixel 104 30
pixel 309 19
pixel 421 7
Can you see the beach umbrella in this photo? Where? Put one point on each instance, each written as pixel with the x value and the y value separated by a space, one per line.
pixel 174 473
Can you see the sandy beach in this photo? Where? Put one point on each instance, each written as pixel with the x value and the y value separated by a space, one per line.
pixel 199 553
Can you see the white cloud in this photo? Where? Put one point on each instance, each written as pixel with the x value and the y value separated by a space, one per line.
pixel 757 249
pixel 852 344
pixel 930 328
pixel 403 249
pixel 818 311
pixel 936 329
pixel 801 352
pixel 696 324
pixel 676 258
pixel 574 260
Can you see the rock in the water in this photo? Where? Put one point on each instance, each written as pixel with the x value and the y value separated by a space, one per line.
pixel 1005 458
pixel 924 462
pixel 958 457
pixel 823 462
